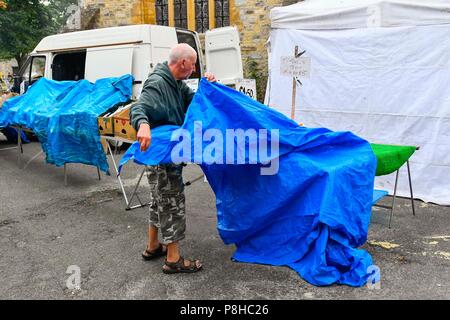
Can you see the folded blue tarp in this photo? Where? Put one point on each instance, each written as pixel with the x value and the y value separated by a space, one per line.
pixel 64 116
pixel 311 216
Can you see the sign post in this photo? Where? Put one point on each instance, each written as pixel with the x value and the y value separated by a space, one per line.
pixel 295 67
pixel 294 89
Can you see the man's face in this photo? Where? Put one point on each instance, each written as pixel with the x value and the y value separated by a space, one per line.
pixel 187 67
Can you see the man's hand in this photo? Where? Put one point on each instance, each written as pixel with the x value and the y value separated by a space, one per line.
pixel 144 136
pixel 210 77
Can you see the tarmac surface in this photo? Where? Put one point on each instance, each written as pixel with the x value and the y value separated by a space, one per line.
pixel 48 230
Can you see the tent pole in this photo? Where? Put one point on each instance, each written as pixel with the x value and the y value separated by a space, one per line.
pixel 294 89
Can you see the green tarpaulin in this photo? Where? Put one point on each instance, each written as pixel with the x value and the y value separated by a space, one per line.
pixel 391 157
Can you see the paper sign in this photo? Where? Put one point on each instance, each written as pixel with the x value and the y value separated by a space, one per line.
pixel 295 67
pixel 192 83
pixel 22 87
pixel 247 87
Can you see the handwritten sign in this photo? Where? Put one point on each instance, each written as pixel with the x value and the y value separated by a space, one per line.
pixel 295 67
pixel 247 87
pixel 192 83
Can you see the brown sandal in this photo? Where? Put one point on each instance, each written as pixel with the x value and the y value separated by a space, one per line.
pixel 179 267
pixel 159 252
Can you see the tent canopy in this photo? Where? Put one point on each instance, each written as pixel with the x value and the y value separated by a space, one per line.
pixel 380 69
pixel 353 14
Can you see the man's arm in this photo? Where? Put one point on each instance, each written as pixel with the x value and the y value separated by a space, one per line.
pixel 210 77
pixel 144 136
pixel 142 114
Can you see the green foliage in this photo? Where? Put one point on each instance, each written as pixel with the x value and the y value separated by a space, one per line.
pixel 253 71
pixel 25 22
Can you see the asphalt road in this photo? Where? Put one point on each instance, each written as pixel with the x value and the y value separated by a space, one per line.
pixel 48 230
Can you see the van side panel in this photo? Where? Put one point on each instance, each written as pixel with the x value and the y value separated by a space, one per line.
pixel 108 62
pixel 142 60
pixel 162 40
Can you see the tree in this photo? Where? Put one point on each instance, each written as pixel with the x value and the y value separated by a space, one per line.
pixel 23 23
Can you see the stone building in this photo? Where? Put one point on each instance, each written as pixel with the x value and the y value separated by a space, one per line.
pixel 250 16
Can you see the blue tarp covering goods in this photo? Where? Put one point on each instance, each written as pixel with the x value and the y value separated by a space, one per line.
pixel 64 116
pixel 312 215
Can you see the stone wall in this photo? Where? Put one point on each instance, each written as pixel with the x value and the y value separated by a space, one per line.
pixel 250 16
pixel 121 13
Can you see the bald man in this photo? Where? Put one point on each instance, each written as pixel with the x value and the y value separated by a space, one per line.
pixel 164 100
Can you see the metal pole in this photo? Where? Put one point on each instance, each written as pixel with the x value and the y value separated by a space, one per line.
pixel 294 89
pixel 65 174
pixel 19 145
pixel 9 148
pixel 188 183
pixel 98 172
pixel 118 176
pixel 29 161
pixel 135 189
pixel 410 188
pixel 393 200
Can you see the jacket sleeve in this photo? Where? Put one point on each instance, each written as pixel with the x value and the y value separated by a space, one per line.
pixel 145 110
pixel 188 95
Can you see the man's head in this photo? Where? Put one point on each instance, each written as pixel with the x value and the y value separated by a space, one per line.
pixel 182 59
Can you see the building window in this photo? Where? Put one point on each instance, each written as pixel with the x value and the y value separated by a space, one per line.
pixel 162 12
pixel 198 15
pixel 201 16
pixel 180 13
pixel 222 13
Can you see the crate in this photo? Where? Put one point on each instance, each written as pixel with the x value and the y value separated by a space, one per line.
pixel 122 125
pixel 105 126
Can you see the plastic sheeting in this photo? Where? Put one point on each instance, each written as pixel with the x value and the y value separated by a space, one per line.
pixel 387 85
pixel 390 158
pixel 64 116
pixel 311 216
pixel 348 14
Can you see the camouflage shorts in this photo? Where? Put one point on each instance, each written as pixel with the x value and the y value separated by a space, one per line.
pixel 167 210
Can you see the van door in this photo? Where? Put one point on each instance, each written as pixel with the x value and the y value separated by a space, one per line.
pixel 33 70
pixel 192 39
pixel 223 54
pixel 105 62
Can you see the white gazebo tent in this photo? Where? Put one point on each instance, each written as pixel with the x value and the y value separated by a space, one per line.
pixel 380 69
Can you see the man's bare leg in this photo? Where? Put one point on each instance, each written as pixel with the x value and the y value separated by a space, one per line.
pixel 153 242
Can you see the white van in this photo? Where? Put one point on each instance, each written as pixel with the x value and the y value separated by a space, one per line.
pixel 135 49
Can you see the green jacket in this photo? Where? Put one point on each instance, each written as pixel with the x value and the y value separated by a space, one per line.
pixel 163 100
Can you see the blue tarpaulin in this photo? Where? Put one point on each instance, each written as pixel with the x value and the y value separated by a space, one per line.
pixel 63 114
pixel 312 215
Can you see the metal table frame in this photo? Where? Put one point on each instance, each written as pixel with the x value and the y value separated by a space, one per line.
pixel 116 139
pixel 128 202
pixel 20 152
pixel 394 196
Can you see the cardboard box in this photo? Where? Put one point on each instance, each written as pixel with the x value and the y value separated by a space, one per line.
pixel 105 126
pixel 116 122
pixel 122 124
